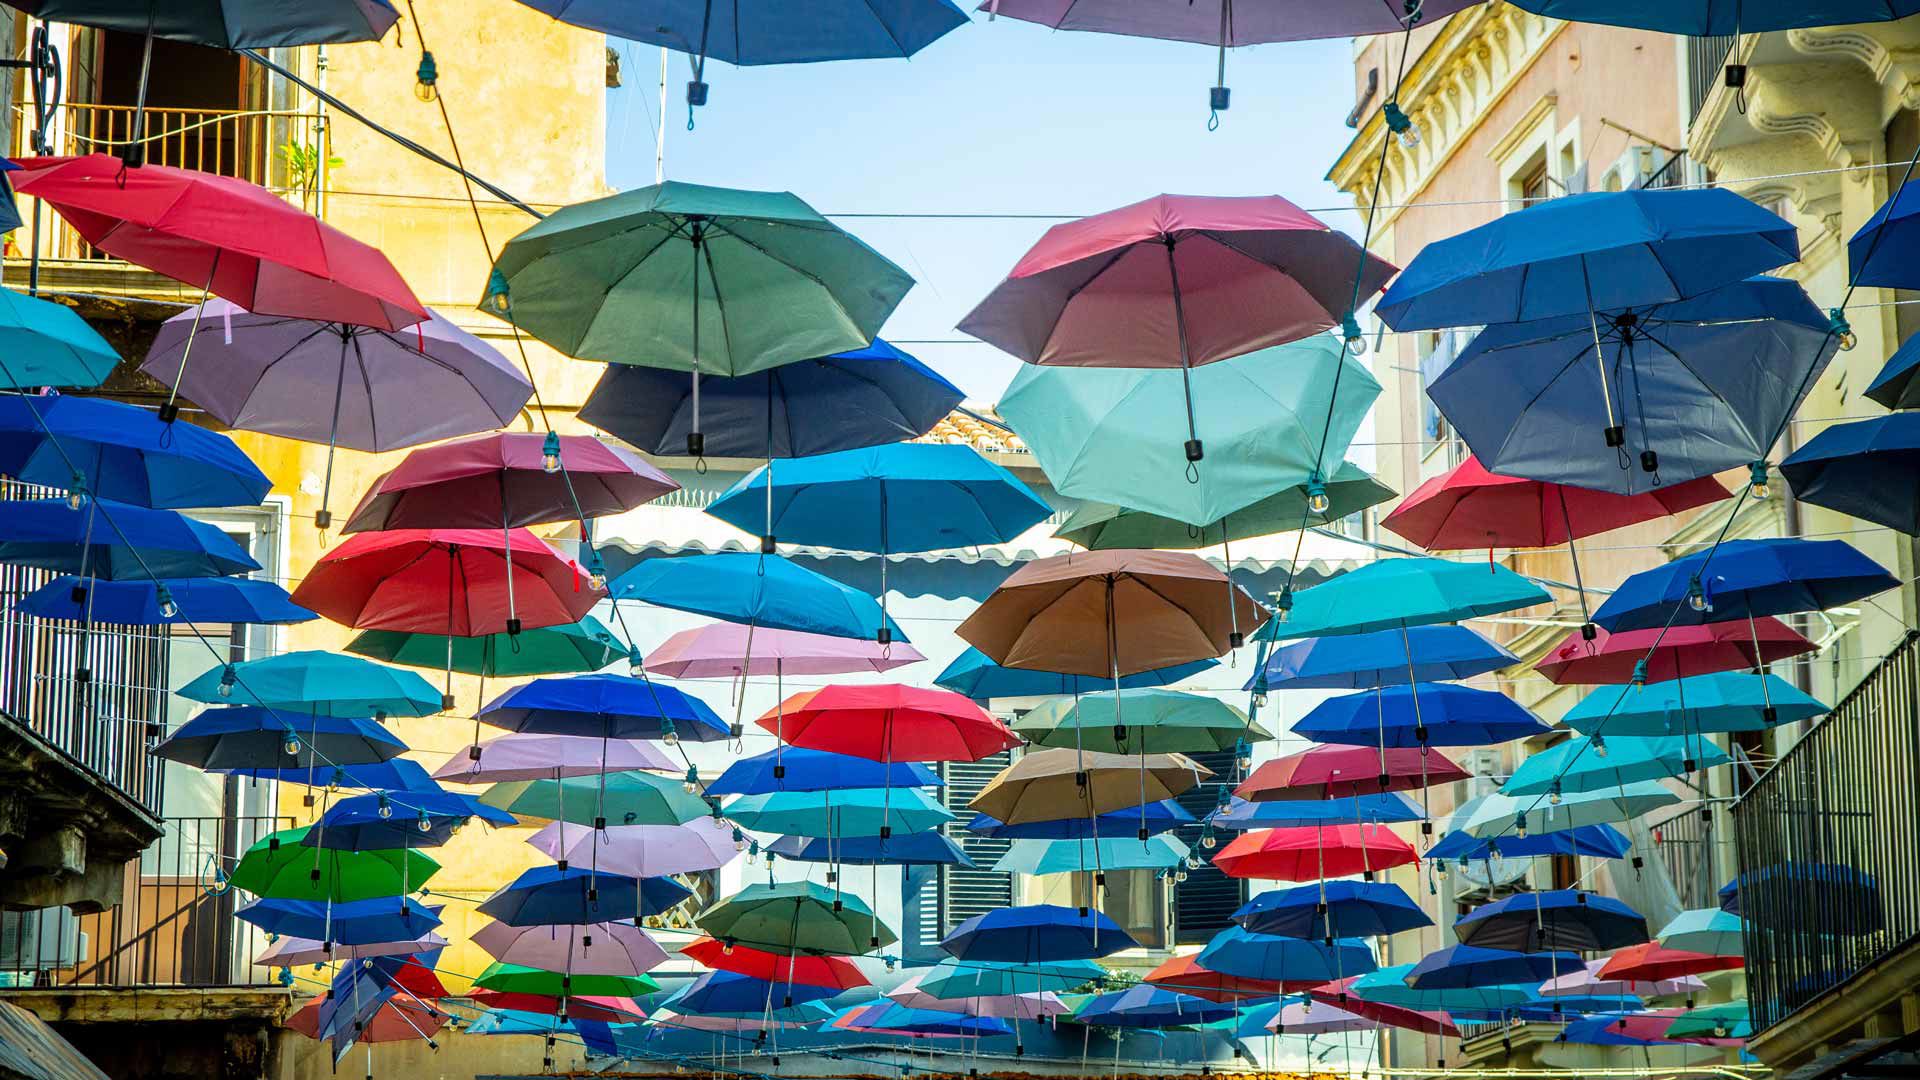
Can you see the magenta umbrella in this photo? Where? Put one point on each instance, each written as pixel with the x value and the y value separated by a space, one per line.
pixel 642 851
pixel 532 756
pixel 726 650
pixel 619 949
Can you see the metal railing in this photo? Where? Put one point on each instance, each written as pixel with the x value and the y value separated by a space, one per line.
pixel 176 926
pixel 1686 844
pixel 1706 57
pixel 1829 845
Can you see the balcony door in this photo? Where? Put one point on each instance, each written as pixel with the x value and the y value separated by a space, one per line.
pixel 197 99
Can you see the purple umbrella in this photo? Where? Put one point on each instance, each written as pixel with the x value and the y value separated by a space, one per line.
pixel 642 851
pixel 298 952
pixel 1300 1018
pixel 725 650
pixel 618 949
pixel 532 756
pixel 343 385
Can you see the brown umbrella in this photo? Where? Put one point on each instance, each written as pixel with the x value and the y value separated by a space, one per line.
pixel 1049 785
pixel 1112 613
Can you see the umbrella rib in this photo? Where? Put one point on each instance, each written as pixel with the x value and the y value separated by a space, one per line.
pixel 720 304
pixel 1707 386
pixel 891 36
pixel 366 382
pixel 1546 386
pixel 1074 293
pixel 802 271
pixel 261 377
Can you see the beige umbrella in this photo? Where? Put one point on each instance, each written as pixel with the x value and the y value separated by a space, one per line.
pixel 1048 785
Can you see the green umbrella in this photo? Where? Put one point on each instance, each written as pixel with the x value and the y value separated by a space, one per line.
pixel 1727 1020
pixel 632 798
pixel 1114 434
pixel 551 650
pixel 1149 720
pixel 709 280
pixel 1098 526
pixel 1394 594
pixel 281 867
pixel 796 917
pixel 515 979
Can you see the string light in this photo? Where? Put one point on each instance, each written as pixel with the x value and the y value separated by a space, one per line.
pixel 1697 595
pixel 426 79
pixel 1283 605
pixel 386 809
pixel 496 299
pixel 77 492
pixel 227 680
pixel 1350 330
pixel 292 745
pixel 1317 500
pixel 163 596
pixel 1599 743
pixel 1400 124
pixel 550 454
pixel 1757 485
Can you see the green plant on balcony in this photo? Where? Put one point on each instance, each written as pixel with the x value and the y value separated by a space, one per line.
pixel 305 162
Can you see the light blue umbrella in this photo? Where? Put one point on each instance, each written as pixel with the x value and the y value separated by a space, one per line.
pixel 1379 808
pixel 1079 856
pixel 1239 952
pixel 953 979
pixel 857 812
pixel 1398 594
pixel 1581 765
pixel 1705 930
pixel 317 683
pixel 974 674
pixel 1388 986
pixel 1500 816
pixel 1696 705
pixel 1381 658
pixel 758 590
pixel 48 344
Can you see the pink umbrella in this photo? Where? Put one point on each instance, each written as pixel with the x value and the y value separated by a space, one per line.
pixel 532 756
pixel 1299 1019
pixel 619 949
pixel 1006 1006
pixel 1588 983
pixel 1178 281
pixel 726 650
pixel 641 851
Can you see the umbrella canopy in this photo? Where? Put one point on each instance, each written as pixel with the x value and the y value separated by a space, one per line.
pixel 385 918
pixel 549 895
pixel 123 453
pixel 975 674
pixel 1143 721
pixel 1653 961
pixel 517 979
pixel 1742 578
pixel 459 582
pixel 1859 469
pixel 725 650
pixel 791 768
pixel 1581 765
pixel 249 736
pixel 243 601
pixel 1300 1018
pixel 834 971
pixel 1377 808
pixel 1670 652
pixel 857 812
pixel 1703 18
pixel 47 344
pixel 622 798
pixel 1393 594
pixel 1382 658
pixel 862 397
pixel 133 544
pixel 1388 986
pixel 1697 705
pixel 316 683
pixel 1080 856
pixel 607 948
pixel 960 979
pixel 1343 772
pixel 1728 1019
pixel 1187 975
pixel 1589 983
pixel 1309 853
pixel 608 706
pixel 280 866
pixel 888 721
pixel 609 1010
pixel 927 848
pixel 1343 994
pixel 1442 715
pixel 898 1020
pixel 769 33
pixel 1705 930
pixel 394 774
pixel 1290 961
pixel 764 591
pixel 1500 815
pixel 239 240
pixel 1466 967
pixel 796 917
pixel 1335 909
pixel 1846 889
pixel 1102 433
pixel 503 479
pixel 1161 816
pixel 732 992
pixel 383 820
pixel 1008 1006
pixel 547 650
pixel 1221 23
pixel 293 951
pixel 1468 507
pixel 1102 526
pixel 1149 1006
pixel 545 757
pixel 228 24
pixel 397 1019
pixel 1897 386
pixel 1108 613
pixel 1036 933
pixel 1563 919
pixel 1597 251
pixel 1592 841
pixel 640 851
pixel 1047 785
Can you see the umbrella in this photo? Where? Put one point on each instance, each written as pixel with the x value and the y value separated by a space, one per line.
pixel 385 918
pixel 394 774
pixel 1694 706
pixel 1381 658
pixel 1102 526
pixel 799 1016
pixel 620 279
pixel 792 768
pixel 972 673
pixel 1667 387
pixel 1146 721
pixel 1566 919
pixel 1589 983
pixel 133 544
pixel 1703 18
pixel 1188 976
pixel 92 446
pixel 1050 784
pixel 398 819
pixel 1111 613
pixel 280 866
pixel 1468 507
pixel 227 24
pixel 1096 430
pixel 1579 765
pixel 1653 961
pixel 732 992
pixel 608 706
pixel 1310 853
pixel 1290 961
pixel 641 851
pixel 249 736
pixel 1007 1006
pixel 1601 1031
pixel 1300 1018
pixel 959 979
pixel 1036 933
pixel 888 720
pixel 1593 841
pixel 1502 814
pixel 1728 1019
pixel 549 895
pixel 1861 469
pixel 1158 817
pixel 448 581
pixel 1836 886
pixel 319 683
pixel 621 798
pixel 47 344
pixel 1149 1006
pixel 1448 715
pixel 917 1023
pixel 1073 856
pixel 1467 967
pixel 610 1010
pixel 547 650
pixel 236 239
pixel 518 979
pixel 1340 772
pixel 835 813
pixel 395 1020
pixel 607 948
pixel 764 591
pixel 1896 386
pixel 1744 579
pixel 1387 986
pixel 795 917
pixel 1669 652
pixel 1399 594
pixel 1175 281
pixel 726 650
pixel 834 971
pixel 160 601
pixel 1377 808
pixel 1705 930
pixel 545 757
pixel 292 951
pixel 1342 994
pixel 862 397
pixel 928 848
pixel 1333 909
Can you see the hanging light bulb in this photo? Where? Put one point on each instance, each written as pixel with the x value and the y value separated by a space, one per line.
pixel 1207 839
pixel 1400 124
pixel 726 948
pixel 1520 825
pixel 291 745
pixel 338 778
pixel 1838 327
pixel 164 598
pixel 227 681
pixel 426 78
pixel 1350 331
pixel 496 299
pixel 1283 605
pixel 1440 867
pixel 1757 485
pixel 636 663
pixel 77 492
pixel 1317 500
pixel 1260 696
pixel 890 963
pixel 424 824
pixel 550 454
pixel 1697 595
pixel 1179 875
pixel 692 782
pixel 386 809
pixel 739 839
pixel 670 737
pixel 1639 678
pixel 596 574
pixel 1553 795
pixel 1243 755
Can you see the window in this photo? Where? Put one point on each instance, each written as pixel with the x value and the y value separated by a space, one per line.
pixel 1533 183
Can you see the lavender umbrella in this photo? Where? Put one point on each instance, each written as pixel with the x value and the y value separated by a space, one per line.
pixel 617 949
pixel 642 851
pixel 726 650
pixel 298 951
pixel 532 756
pixel 1298 1018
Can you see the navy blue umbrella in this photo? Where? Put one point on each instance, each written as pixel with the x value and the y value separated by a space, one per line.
pixel 550 896
pixel 1351 909
pixel 1865 469
pixel 361 922
pixel 1565 919
pixel 1684 389
pixel 757 590
pixel 1239 952
pixel 1447 715
pixel 184 600
pixel 1379 658
pixel 227 24
pixel 1592 841
pixel 792 768
pixel 397 774
pixel 1850 894
pixel 928 848
pixel 1896 386
pixel 117 541
pixel 732 992
pixel 974 674
pixel 1461 967
pixel 1380 808
pixel 124 453
pixel 1712 18
pixel 1156 817
pixel 1037 933
pixel 1881 253
pixel 1147 1005
pixel 865 397
pixel 606 706
pixel 1744 579
pixel 249 736
pixel 384 820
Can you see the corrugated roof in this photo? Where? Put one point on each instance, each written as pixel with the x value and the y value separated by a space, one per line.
pixel 30 1050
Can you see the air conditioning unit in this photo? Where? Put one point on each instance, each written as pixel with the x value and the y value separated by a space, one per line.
pixel 1481 761
pixel 39 940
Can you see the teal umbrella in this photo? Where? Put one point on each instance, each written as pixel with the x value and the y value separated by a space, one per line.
pixel 1709 931
pixel 1388 986
pixel 1698 704
pixel 318 684
pixel 708 280
pixel 953 979
pixel 1097 526
pixel 1727 1020
pixel 630 798
pixel 1500 815
pixel 47 344
pixel 795 918
pixel 1581 764
pixel 1113 434
pixel 1079 856
pixel 1149 720
pixel 855 812
pixel 1394 594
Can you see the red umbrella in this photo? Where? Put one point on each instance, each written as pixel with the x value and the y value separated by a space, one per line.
pixel 1650 962
pixel 1314 852
pixel 1342 772
pixel 1337 994
pixel 1610 659
pixel 889 722
pixel 234 238
pixel 611 1010
pixel 837 972
pixel 1185 975
pixel 1177 281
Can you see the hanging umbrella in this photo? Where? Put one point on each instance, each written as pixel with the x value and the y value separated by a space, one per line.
pixel 132 543
pixel 793 768
pixel 725 650
pixel 1341 772
pixel 1726 1020
pixel 1151 721
pixel 248 736
pixel 1702 18
pixel 394 774
pixel 1836 886
pixel 863 397
pixel 634 278
pixel 1705 930
pixel 580 647
pixel 1447 715
pixel 1599 841
pixel 795 917
pixel 384 918
pixel 800 1016
pixel 972 673
pixel 292 951
pixel 893 1019
pixel 1036 933
pixel 765 591
pixel 1467 967
pixel 1149 1007
pixel 622 798
pixel 1589 983
pixel 1161 816
pixel 1074 856
pixel 544 757
pixel 1050 784
pixel 1557 919
pixel 1653 961
pixel 116 451
pixel 1670 652
pixel 1007 1006
pixel 888 720
pixel 319 683
pixel 397 1019
pixel 1101 526
pixel 1398 594
pixel 608 706
pixel 517 979
pixel 234 238
pixel 971 977
pixel 927 848
pixel 834 971
pixel 1467 507
pixel 227 24
pixel 1188 976
pixel 279 866
pixel 642 851
pixel 1861 469
pixel 447 581
pixel 1377 808
pixel 382 820
pixel 1300 1018
pixel 1333 909
pixel 1506 815
pixel 47 344
pixel 1107 291
pixel 732 992
pixel 549 895
pixel 857 812
pixel 1580 765
pixel 1694 706
pixel 609 1010
pixel 1381 658
pixel 1292 962
pixel 1343 994
pixel 1309 853
pixel 158 601
pixel 607 948
pixel 1897 386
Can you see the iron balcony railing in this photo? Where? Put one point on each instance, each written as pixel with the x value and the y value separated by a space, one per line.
pixel 1686 844
pixel 1828 843
pixel 1706 59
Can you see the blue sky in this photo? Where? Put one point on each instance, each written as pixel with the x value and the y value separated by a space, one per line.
pixel 1002 117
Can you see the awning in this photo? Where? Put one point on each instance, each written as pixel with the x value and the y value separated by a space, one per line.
pixel 30 1050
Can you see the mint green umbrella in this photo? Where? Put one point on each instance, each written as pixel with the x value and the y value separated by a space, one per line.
pixel 1097 526
pixel 1115 434
pixel 1496 815
pixel 1580 764
pixel 1081 856
pixel 1698 704
pixel 550 650
pixel 1727 1020
pixel 1394 594
pixel 1150 720
pixel 1705 930
pixel 632 798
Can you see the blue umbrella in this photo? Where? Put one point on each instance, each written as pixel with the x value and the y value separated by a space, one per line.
pixel 1447 715
pixel 897 1017
pixel 1397 594
pixel 974 674
pixel 1881 252
pixel 731 992
pixel 1146 1005
pixel 9 210
pixel 1600 1031
pixel 1564 919
pixel 1388 986
pixel 384 820
pixel 1896 386
pixel 864 397
pixel 550 896
pixel 116 541
pixel 1381 658
pixel 248 736
pixel 605 706
pixel 1035 933
pixel 397 774
pixel 1351 909
pixel 1463 967
pixel 1850 894
pixel 1158 817
pixel 1696 705
pixel 140 603
pixel 47 344
pixel 124 453
pixel 1864 469
pixel 316 683
pixel 760 590
pixel 1554 1008
pixel 928 848
pixel 1709 18
pixel 1380 808
pixel 1744 579
pixel 1241 953
pixel 853 812
pixel 1592 841
pixel 1593 252
pixel 1580 765
pixel 361 922
pixel 792 768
